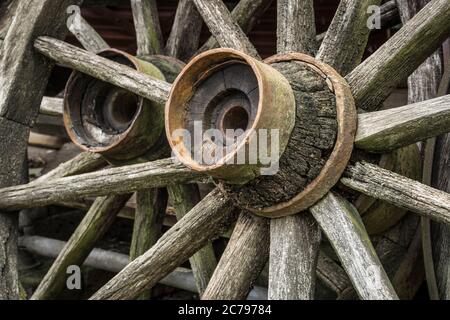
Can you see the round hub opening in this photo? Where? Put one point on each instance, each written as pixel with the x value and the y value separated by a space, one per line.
pixel 120 109
pixel 235 118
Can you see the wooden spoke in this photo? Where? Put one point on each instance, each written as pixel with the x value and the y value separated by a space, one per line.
pixel 93 226
pixel 246 14
pixel 222 26
pixel 184 38
pixel 150 209
pixel 390 129
pixel 342 224
pixel 111 181
pixel 52 106
pixel 296 15
pixel 346 39
pixel 244 258
pixel 104 69
pixel 373 80
pixel 208 219
pixel 294 248
pixel 400 191
pixel 23 78
pixel 203 262
pixel 88 37
pixel 83 163
pixel 148 30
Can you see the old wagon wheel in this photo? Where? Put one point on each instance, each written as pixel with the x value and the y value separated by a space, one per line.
pixel 315 93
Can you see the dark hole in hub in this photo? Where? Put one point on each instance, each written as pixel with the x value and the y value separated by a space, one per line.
pixel 120 109
pixel 235 118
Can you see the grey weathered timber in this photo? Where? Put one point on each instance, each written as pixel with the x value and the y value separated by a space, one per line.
pixel 296 28
pixel 82 163
pixel 385 130
pixel 104 69
pixel 346 39
pixel 243 260
pixel 184 37
pixel 294 248
pixel 208 219
pixel 93 226
pixel 86 35
pixel 110 181
pixel 343 226
pixel 7 11
pixel 222 26
pixel 373 80
pixel 423 84
pixel 400 191
pixel 150 209
pixel 52 106
pixel 203 262
pixel 246 14
pixel 23 78
pixel 148 30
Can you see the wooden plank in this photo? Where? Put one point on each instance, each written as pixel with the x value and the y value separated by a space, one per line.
pixel 246 14
pixel 296 15
pixel 147 26
pixel 208 219
pixel 386 130
pixel 104 69
pixel 150 210
pixel 184 37
pixel 110 181
pixel 400 191
pixel 342 224
pixel 203 262
pixel 373 80
pixel 243 260
pixel 52 106
pixel 222 26
pixel 86 35
pixel 346 39
pixel 93 226
pixel 294 248
pixel 44 140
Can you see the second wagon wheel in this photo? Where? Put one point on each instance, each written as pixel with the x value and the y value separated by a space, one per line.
pixel 281 215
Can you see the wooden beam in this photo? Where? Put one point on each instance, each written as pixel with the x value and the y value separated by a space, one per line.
pixel 204 262
pixel 150 210
pixel 222 26
pixel 243 260
pixel 52 106
pixel 147 26
pixel 184 37
pixel 373 80
pixel 294 249
pixel 86 35
pixel 386 130
pixel 110 181
pixel 93 226
pixel 296 15
pixel 400 191
pixel 104 69
pixel 346 39
pixel 23 79
pixel 246 14
pixel 343 226
pixel 208 219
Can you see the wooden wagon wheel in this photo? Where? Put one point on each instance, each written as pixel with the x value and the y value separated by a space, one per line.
pixel 291 242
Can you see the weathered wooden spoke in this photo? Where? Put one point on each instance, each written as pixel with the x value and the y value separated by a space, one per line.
pixel 398 190
pixel 212 216
pixel 346 38
pixel 148 29
pixel 110 181
pixel 386 130
pixel 345 230
pixel 88 37
pixel 373 80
